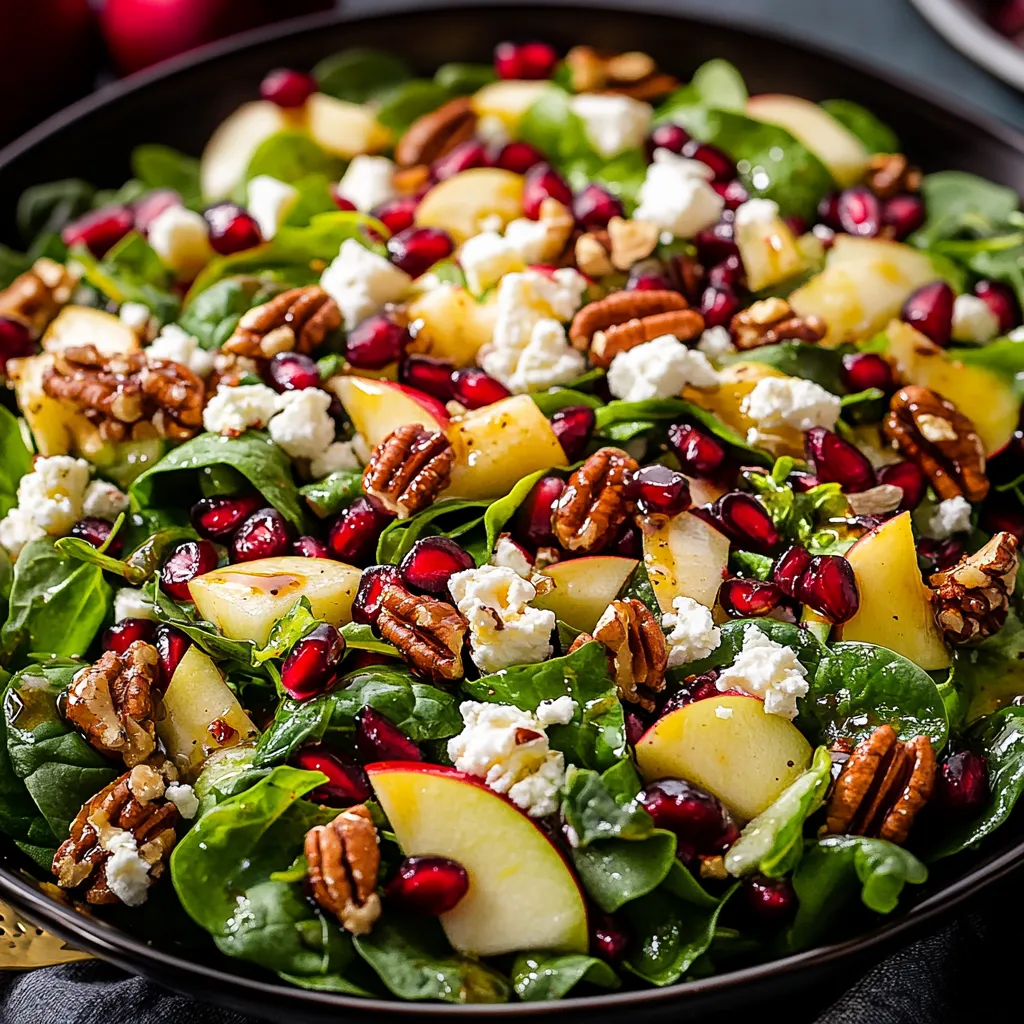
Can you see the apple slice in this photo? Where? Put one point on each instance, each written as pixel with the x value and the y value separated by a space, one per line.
pixel 984 397
pixel 451 324
pixel 463 203
pixel 377 407
pixel 231 146
pixel 342 128
pixel 508 99
pixel 584 587
pixel 770 252
pixel 522 893
pixel 831 142
pixel 499 444
pixel 896 608
pixel 746 759
pixel 685 557
pixel 244 601
pixel 83 325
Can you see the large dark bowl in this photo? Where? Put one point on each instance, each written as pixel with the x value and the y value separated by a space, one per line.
pixel 179 104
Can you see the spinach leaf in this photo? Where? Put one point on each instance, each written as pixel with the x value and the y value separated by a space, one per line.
pixel 329 496
pixel 214 314
pixel 16 461
pixel 638 587
pixel 605 806
pixel 824 366
pixel 615 872
pixel 990 674
pixel 540 977
pixel 357 74
pixel 803 516
pixel 551 401
pixel 464 79
pixel 162 167
pixel 961 204
pixel 360 637
pixel 227 773
pixel 287 631
pixel 404 103
pixel 140 565
pixel 859 686
pixel 291 155
pixel 876 135
pixel 716 83
pixel 459 516
pixel 205 635
pixel 501 511
pixel 1005 357
pixel 253 455
pixel 45 209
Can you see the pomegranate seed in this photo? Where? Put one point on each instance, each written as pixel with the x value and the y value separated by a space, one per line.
pixel 188 560
pixel 648 281
pixel 909 477
pixel 803 482
pixel 293 371
pixel 99 230
pixel 838 461
pixel 859 212
pixel 727 275
pixel 542 182
pixel 628 543
pixel 171 646
pixel 524 60
pixel 1003 303
pixel 397 214
pixel 930 310
pixel 939 555
pixel 745 520
pixel 733 192
pixel 463 157
pixel 378 740
pixel 771 900
pixel 217 517
pixel 366 606
pixel 431 562
pixel 721 164
pixel 668 136
pixel 119 637
pixel 829 586
pixel 416 250
pixel 432 376
pixel 533 520
pixel 716 244
pixel 635 728
pixel 698 453
pixel 427 885
pixel 864 370
pixel 312 665
pixel 660 490
pixel 608 939
pixel 353 535
pixel 828 211
pixel 343 204
pixel 701 823
pixel 743 599
pixel 788 568
pixel 961 785
pixel 287 88
pixel 263 535
pixel 346 783
pixel 518 157
pixel 595 206
pixel 474 389
pixel 573 426
pixel 151 205
pixel 718 307
pixel 376 342
pixel 15 341
pixel 795 223
pixel 903 215
pixel 95 531
pixel 232 229
pixel 309 547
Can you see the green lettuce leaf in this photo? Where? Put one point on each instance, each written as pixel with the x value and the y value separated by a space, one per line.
pixel 541 977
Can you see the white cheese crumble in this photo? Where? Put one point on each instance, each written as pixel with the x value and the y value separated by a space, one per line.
pixel 335 458
pixel 181 239
pixel 270 201
pixel 677 197
pixel 130 603
pixel 508 748
pixel 17 529
pixel 716 342
pixel 723 712
pixel 104 501
pixel 973 320
pixel 547 360
pixel 768 670
pixel 612 124
pixel 533 239
pixel 486 258
pixel 690 631
pixel 789 401
pixel 503 629
pixel 50 501
pixel 949 517
pixel 362 283
pixel 368 182
pixel 232 411
pixel 303 427
pixel 509 555
pixel 659 369
pixel 184 798
pixel 762 213
pixel 175 345
pixel 127 873
pixel 134 315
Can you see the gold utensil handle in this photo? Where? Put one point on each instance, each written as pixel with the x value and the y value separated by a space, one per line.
pixel 23 946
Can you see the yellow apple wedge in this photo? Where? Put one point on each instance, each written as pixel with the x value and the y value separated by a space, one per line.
pixel 508 100
pixel 895 605
pixel 342 128
pixel 746 759
pixel 584 587
pixel 244 601
pixel 685 557
pixel 522 894
pixel 450 324
pixel 770 252
pixel 377 407
pixel 462 203
pixel 82 325
pixel 231 146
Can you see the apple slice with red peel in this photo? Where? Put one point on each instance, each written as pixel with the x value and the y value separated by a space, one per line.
pixel 896 608
pixel 522 893
pixel 584 587
pixel 377 407
pixel 746 758
pixel 685 557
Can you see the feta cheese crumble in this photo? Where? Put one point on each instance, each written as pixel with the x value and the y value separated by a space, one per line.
pixel 949 517
pixel 135 315
pixel 659 369
pixel 175 345
pixel 181 239
pixel 612 124
pixel 973 320
pixel 503 629
pixel 335 458
pixel 50 500
pixel 362 283
pixel 509 555
pixel 302 426
pixel 130 603
pixel 270 201
pixel 723 712
pixel 761 213
pixel 716 342
pixel 768 670
pixel 127 873
pixel 676 195
pixel 368 182
pixel 534 240
pixel 690 631
pixel 184 798
pixel 486 258
pixel 104 501
pixel 232 411
pixel 789 401
pixel 547 360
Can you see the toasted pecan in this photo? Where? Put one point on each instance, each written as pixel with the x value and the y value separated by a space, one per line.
pixel 772 320
pixel 595 502
pixel 639 653
pixel 296 320
pixel 618 308
pixel 436 133
pixel 428 633
pixel 35 297
pixel 409 469
pixel 888 174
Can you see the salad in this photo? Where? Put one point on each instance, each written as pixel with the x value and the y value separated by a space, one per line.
pixel 537 529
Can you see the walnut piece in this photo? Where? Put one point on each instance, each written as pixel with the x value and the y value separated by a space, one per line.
pixel 427 632
pixel 436 133
pixel 628 74
pixel 617 247
pixel 929 430
pixel 773 320
pixel 636 645
pixel 113 703
pixel 891 173
pixel 133 803
pixel 409 469
pixel 296 320
pixel 882 786
pixel 973 597
pixel 595 502
pixel 343 859
pixel 37 296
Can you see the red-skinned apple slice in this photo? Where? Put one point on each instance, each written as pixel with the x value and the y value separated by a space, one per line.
pixel 685 557
pixel 584 587
pixel 377 407
pixel 522 893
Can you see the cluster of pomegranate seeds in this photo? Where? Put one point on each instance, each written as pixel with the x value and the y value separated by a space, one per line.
pixel 188 560
pixel 416 250
pixel 218 517
pixel 859 212
pixel 95 531
pixel 378 740
pixel 312 665
pixel 961 784
pixel 658 490
pixel 366 605
pixel 930 310
pixel 829 586
pixel 287 88
pixel 532 60
pixel 427 885
pixel 838 461
pixel 743 598
pixel 353 535
pixel 518 157
pixel 743 519
pixel 375 342
pixel 397 214
pixel 463 157
pixel 938 555
pixel 309 547
pixel 1001 300
pixel 864 370
pixel 293 371
pixel 119 637
pixel 263 535
pixel 699 820
pixel 910 478
pixel 647 281
pixel 608 937
pixel 427 374
pixel 171 646
pixel 594 206
pixel 533 520
pixel 541 182
pixel 474 389
pixel 232 229
pixel 718 306
pixel 346 783
pixel 727 275
pixel 573 426
pixel 788 568
pixel 15 341
pixel 700 454
pixel 431 562
pixel 99 230
pixel 770 900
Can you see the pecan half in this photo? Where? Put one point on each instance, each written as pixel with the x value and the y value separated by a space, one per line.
pixel 296 320
pixel 436 133
pixel 929 430
pixel 883 785
pixel 427 632
pixel 891 173
pixel 973 598
pixel 636 645
pixel 773 320
pixel 409 469
pixel 629 74
pixel 113 703
pixel 343 860
pixel 595 502
pixel 37 296
pixel 134 803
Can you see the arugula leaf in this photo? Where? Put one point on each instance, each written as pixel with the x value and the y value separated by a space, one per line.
pixel 403 103
pixel 290 156
pixel 214 314
pixel 329 496
pixel 16 461
pixel 604 806
pixel 46 208
pixel 616 871
pixel 876 135
pixel 359 74
pixel 163 167
pixel 540 977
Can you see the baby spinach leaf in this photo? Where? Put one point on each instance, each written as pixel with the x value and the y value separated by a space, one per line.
pixel 358 74
pixel 16 461
pixel 860 686
pixel 46 208
pixel 458 515
pixel 540 977
pixel 551 401
pixel 616 871
pixel 205 635
pixel 228 773
pixel 287 631
pixel 360 637
pixel 140 565
pixel 501 511
pixel 315 198
pixel 214 314
pixel 604 806
pixel 291 155
pixel 824 366
pixel 163 167
pixel 963 205
pixel 464 79
pixel 876 135
pixel 329 496
pixel 404 103
pixel 638 587
pixel 253 455
pixel 990 674
pixel 716 83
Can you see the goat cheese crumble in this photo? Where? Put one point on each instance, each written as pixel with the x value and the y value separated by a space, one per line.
pixel 768 670
pixel 336 457
pixel 130 603
pixel 948 518
pixel 362 283
pixel 175 345
pixel 612 124
pixel 973 320
pixel 270 201
pixel 716 342
pixel 368 182
pixel 181 239
pixel 104 501
pixel 789 401
pixel 690 631
pixel 127 873
pixel 50 502
pixel 659 369
pixel 509 555
pixel 677 196
pixel 756 212
pixel 184 798
pixel 302 426
pixel 486 258
pixel 233 410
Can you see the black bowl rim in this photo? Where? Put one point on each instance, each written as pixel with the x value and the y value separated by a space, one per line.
pixel 239 990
